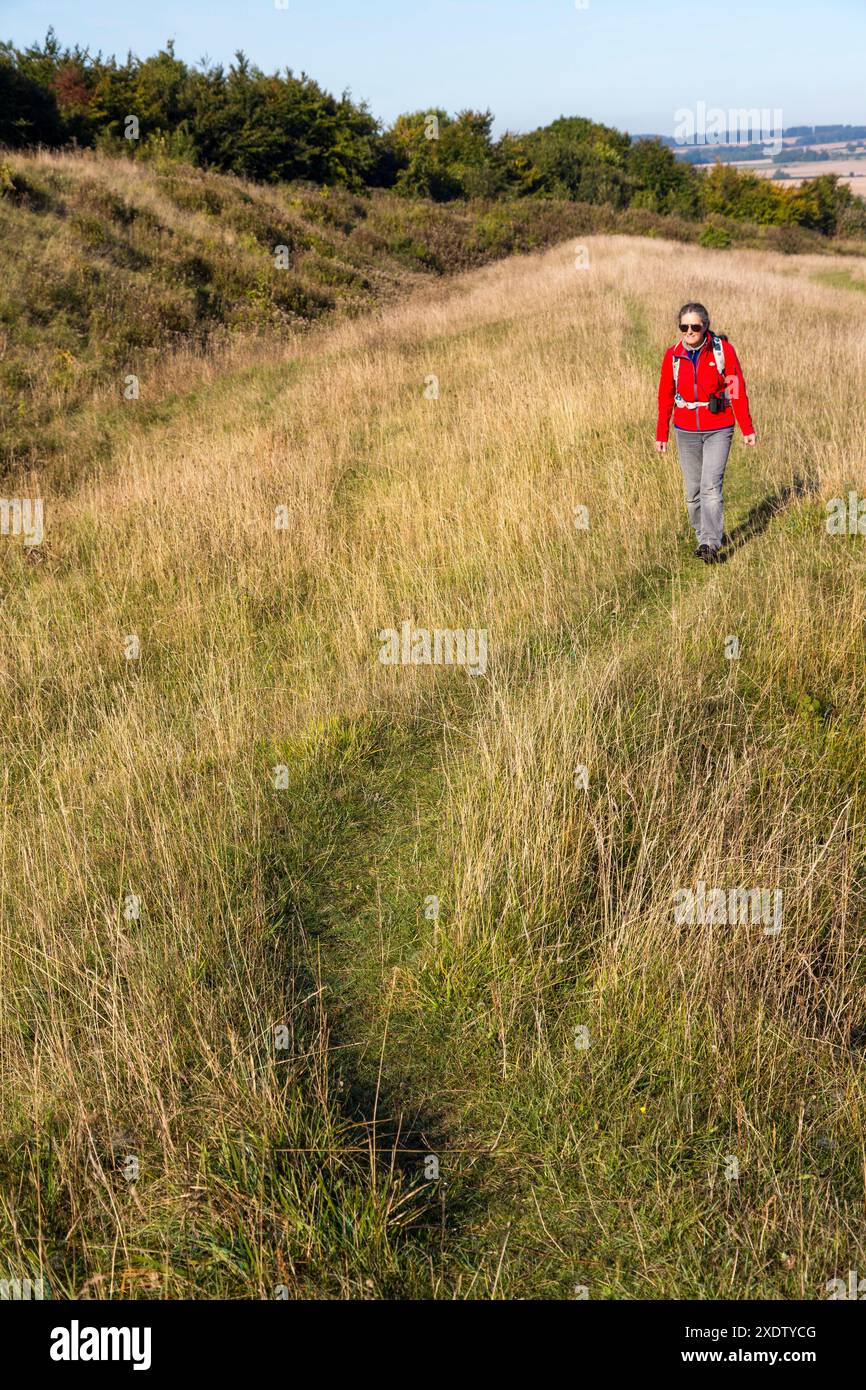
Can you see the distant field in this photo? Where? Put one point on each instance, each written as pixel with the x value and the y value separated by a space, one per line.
pixel 851 171
pixel 850 167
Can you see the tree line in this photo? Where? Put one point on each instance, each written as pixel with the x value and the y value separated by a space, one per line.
pixel 284 126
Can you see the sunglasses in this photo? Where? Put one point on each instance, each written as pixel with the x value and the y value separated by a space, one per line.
pixel 691 328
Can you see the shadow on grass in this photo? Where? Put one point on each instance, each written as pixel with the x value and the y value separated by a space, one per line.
pixel 761 514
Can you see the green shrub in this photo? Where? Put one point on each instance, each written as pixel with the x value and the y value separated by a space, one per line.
pixel 15 188
pixel 791 241
pixel 715 237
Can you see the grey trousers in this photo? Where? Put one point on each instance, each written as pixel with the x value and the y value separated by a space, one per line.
pixel 703 455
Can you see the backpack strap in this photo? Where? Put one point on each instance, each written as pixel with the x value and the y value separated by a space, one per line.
pixel 678 399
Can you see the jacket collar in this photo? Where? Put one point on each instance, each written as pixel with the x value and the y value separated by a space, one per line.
pixel 682 351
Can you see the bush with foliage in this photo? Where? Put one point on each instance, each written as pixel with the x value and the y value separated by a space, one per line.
pixel 280 127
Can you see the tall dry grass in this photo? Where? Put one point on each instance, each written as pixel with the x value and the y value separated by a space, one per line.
pixel 152 1036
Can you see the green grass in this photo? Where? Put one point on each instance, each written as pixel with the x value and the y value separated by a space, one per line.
pixel 840 280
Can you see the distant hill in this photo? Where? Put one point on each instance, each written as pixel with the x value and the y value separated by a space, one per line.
pixel 799 144
pixel 804 134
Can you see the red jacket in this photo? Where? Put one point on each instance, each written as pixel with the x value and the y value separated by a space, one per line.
pixel 708 382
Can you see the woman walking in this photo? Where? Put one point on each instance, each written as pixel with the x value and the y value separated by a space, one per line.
pixel 702 383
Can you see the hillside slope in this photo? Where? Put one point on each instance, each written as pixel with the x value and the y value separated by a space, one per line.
pixel 381 995
pixel 113 269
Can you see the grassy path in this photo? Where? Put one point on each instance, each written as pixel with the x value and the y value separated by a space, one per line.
pixel 424 1016
pixel 397 1004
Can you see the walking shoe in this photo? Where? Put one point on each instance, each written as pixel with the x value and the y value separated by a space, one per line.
pixel 701 552
pixel 711 554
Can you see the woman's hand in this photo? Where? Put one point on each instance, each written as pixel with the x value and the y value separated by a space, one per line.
pixel 662 447
pixel 750 439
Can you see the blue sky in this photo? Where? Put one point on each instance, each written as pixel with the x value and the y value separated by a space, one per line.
pixel 629 63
